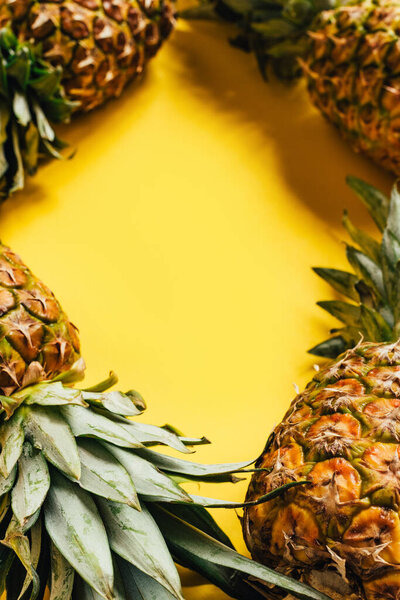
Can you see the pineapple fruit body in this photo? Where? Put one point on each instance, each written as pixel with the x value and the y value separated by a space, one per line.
pixel 37 341
pixel 99 44
pixel 342 437
pixel 349 53
pixel 352 66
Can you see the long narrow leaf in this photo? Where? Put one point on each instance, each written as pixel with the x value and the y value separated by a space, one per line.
pixel 76 529
pixel 150 434
pixel 191 469
pixel 62 576
pixel 139 586
pixel 19 543
pixel 115 402
pixel 12 440
pixel 86 422
pixel 36 544
pixel 135 537
pixel 376 202
pixel 49 431
pixel 183 539
pixel 32 484
pixel 148 480
pixel 104 475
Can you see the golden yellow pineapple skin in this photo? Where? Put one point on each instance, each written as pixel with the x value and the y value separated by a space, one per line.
pixel 353 68
pixel 342 437
pixel 100 44
pixel 36 339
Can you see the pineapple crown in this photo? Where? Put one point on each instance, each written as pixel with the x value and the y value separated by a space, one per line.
pixel 31 97
pixel 373 286
pixel 92 509
pixel 276 31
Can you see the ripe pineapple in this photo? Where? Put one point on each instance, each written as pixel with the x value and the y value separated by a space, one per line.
pixel 37 340
pixel 62 57
pixel 341 532
pixel 89 507
pixel 349 53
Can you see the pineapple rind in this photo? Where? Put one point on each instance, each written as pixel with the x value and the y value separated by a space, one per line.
pixel 342 434
pixel 37 341
pixel 352 68
pixel 99 44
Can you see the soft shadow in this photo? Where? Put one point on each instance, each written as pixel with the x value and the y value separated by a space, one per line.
pixel 78 134
pixel 313 157
pixel 32 193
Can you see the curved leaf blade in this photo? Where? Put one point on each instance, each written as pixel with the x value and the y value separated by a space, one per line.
pixel 188 542
pixel 88 423
pixel 191 469
pixel 50 433
pixel 103 475
pixel 135 537
pixel 76 529
pixel 62 576
pixel 32 485
pixel 148 480
pixel 12 437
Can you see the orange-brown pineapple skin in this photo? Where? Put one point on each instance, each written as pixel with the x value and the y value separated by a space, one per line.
pixel 100 44
pixel 37 341
pixel 342 437
pixel 353 68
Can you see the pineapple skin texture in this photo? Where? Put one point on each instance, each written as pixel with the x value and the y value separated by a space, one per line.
pixel 342 437
pixel 99 44
pixel 352 68
pixel 37 341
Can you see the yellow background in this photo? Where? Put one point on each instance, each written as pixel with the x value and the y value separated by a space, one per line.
pixel 180 239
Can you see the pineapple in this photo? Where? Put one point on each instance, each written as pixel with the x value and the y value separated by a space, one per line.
pixel 62 57
pixel 89 506
pixel 37 340
pixel 348 52
pixel 341 531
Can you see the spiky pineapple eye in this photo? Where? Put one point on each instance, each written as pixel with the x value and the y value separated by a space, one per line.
pixel 378 528
pixel 338 474
pixel 382 457
pixel 288 456
pixel 294 532
pixel 334 434
pixel 384 380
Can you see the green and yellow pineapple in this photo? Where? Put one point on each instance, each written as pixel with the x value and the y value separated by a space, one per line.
pixel 349 53
pixel 341 531
pixel 89 506
pixel 66 56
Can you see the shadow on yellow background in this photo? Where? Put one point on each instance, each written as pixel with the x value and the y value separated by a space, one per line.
pixel 180 239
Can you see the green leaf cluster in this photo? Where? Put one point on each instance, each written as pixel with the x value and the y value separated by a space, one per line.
pixel 372 288
pixel 31 99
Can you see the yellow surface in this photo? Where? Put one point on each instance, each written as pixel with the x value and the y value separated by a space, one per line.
pixel 180 240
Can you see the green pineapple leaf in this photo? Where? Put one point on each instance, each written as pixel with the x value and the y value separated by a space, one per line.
pixel 149 481
pixel 32 485
pixel 134 535
pixel 47 430
pixel 76 529
pixel 375 313
pixel 102 474
pixel 62 576
pixel 192 544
